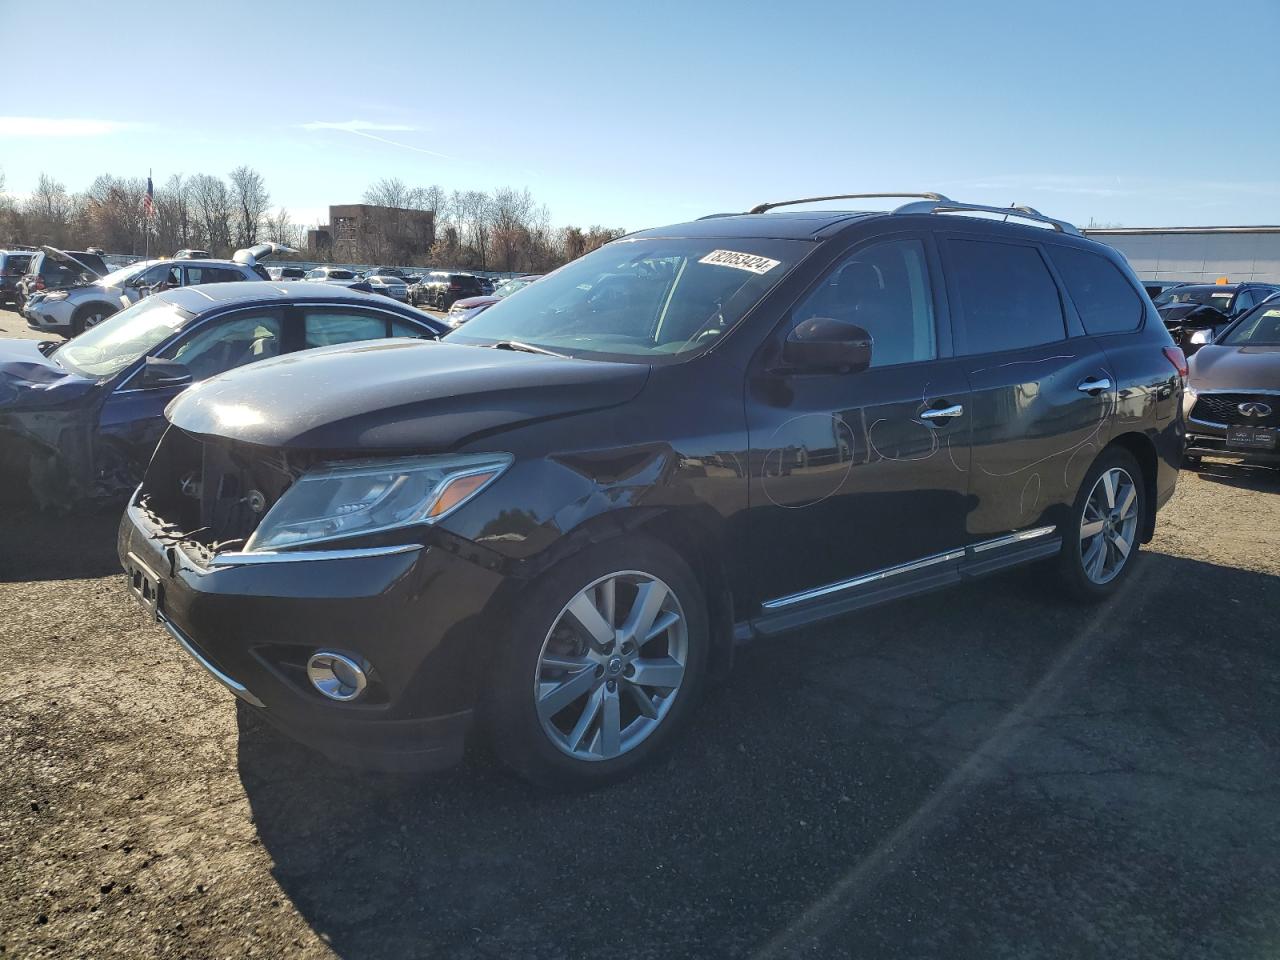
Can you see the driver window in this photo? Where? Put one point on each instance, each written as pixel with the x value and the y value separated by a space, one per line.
pixel 227 344
pixel 149 278
pixel 883 288
pixel 1244 300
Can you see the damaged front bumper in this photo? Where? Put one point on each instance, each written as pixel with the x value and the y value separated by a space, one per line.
pixel 406 611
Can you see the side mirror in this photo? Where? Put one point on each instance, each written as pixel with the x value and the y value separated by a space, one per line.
pixel 824 343
pixel 164 373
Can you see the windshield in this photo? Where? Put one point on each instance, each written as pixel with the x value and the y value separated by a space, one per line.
pixel 510 287
pixel 105 350
pixel 119 277
pixel 1259 328
pixel 340 275
pixel 1216 297
pixel 640 299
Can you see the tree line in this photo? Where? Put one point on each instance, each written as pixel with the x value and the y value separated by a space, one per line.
pixel 501 230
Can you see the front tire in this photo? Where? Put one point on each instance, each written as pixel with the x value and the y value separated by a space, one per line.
pixel 88 317
pixel 603 667
pixel 1103 537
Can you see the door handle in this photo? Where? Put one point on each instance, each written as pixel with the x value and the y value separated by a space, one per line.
pixel 942 413
pixel 1094 384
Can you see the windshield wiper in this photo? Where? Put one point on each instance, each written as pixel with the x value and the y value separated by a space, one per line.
pixel 526 348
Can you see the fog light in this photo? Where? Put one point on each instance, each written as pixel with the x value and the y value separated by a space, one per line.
pixel 336 675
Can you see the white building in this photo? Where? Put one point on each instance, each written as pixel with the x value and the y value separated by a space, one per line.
pixel 1197 253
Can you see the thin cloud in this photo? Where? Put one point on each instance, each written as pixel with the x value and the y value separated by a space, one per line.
pixel 60 127
pixel 353 126
pixel 361 128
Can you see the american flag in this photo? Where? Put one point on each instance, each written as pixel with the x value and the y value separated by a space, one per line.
pixel 148 201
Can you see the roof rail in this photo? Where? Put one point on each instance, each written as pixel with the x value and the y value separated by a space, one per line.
pixel 762 207
pixel 1014 210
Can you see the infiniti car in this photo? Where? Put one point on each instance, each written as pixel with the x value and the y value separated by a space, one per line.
pixel 552 527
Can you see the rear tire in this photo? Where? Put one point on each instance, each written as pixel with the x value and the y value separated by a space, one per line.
pixel 1103 536
pixel 570 707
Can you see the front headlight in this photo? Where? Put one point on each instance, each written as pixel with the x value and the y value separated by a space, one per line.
pixel 55 295
pixel 1202 336
pixel 344 499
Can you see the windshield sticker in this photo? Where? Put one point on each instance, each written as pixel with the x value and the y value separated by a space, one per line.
pixel 740 261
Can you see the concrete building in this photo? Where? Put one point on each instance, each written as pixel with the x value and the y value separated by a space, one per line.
pixel 362 232
pixel 1197 253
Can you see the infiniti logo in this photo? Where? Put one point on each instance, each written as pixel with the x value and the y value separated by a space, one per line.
pixel 1254 409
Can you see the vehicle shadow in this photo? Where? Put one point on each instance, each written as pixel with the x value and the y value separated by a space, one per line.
pixel 34 544
pixel 1244 476
pixel 981 772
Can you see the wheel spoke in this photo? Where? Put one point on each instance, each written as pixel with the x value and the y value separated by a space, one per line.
pixel 554 697
pixel 648 604
pixel 1121 544
pixel 1109 489
pixel 1093 557
pixel 589 714
pixel 585 612
pixel 562 661
pixel 660 626
pixel 610 723
pixel 1091 529
pixel 1126 500
pixel 642 701
pixel 608 601
pixel 663 672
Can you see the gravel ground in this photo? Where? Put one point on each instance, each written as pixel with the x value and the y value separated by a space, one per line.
pixel 984 772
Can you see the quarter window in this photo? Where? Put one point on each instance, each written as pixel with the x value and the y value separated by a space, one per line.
pixel 883 288
pixel 1103 297
pixel 1006 297
pixel 325 328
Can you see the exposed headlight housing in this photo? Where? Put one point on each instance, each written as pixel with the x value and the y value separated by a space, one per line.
pixel 340 500
pixel 1202 336
pixel 55 295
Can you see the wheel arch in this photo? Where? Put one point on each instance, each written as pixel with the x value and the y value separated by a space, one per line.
pixel 84 308
pixel 1142 449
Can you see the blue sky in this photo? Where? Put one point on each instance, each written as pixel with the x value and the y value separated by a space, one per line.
pixel 632 115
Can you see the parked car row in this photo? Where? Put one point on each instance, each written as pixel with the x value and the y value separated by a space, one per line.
pixel 468 307
pixel 1195 313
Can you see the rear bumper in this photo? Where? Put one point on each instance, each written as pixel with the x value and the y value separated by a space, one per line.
pixel 410 616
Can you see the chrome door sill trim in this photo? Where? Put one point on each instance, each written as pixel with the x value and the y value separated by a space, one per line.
pixel 862 580
pixel 234 559
pixel 1009 540
pixel 239 689
pixel 1034 533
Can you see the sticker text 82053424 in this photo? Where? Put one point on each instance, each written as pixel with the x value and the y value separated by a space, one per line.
pixel 740 261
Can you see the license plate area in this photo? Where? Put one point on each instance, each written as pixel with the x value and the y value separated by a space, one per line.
pixel 1251 438
pixel 144 585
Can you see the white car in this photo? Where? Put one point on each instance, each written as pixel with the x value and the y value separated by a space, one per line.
pixel 76 309
pixel 339 275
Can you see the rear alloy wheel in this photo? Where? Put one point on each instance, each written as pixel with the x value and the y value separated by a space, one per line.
pixel 603 668
pixel 1102 544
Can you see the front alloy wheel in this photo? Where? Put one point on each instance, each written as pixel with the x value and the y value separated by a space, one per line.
pixel 1109 526
pixel 611 666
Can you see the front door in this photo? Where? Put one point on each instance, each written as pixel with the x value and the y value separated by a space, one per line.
pixel 857 472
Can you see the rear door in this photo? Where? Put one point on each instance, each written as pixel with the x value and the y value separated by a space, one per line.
pixel 854 473
pixel 1042 393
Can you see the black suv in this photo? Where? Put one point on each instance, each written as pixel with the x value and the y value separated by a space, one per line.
pixel 14 265
pixel 1195 313
pixel 555 524
pixel 440 290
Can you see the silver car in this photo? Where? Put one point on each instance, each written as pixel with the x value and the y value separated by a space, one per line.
pixel 388 286
pixel 76 309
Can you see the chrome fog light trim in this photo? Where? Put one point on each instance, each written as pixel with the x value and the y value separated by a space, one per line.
pixel 336 675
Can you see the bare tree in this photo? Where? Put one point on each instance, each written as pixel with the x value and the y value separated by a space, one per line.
pixel 251 200
pixel 48 212
pixel 175 225
pixel 212 204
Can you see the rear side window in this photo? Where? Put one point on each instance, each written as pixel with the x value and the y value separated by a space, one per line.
pixel 1103 297
pixel 1006 297
pixel 324 328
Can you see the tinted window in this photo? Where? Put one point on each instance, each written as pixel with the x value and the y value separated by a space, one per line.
pixel 323 328
pixel 1006 297
pixel 212 275
pixel 403 328
pixel 1243 302
pixel 1260 328
pixel 230 343
pixel 885 290
pixel 1103 298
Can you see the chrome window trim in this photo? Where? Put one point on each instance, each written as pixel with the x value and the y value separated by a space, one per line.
pixel 1021 536
pixel 239 689
pixel 246 558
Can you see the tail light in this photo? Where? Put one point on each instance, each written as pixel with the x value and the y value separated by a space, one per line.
pixel 1178 359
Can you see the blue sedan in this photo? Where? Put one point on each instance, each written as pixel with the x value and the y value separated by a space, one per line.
pixel 80 419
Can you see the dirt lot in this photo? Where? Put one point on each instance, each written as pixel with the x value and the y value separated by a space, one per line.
pixel 984 772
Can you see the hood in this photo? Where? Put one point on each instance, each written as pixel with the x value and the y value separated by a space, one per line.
pixel 469 303
pixel 30 379
pixel 390 395
pixel 251 255
pixel 1240 368
pixel 57 254
pixel 1177 312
